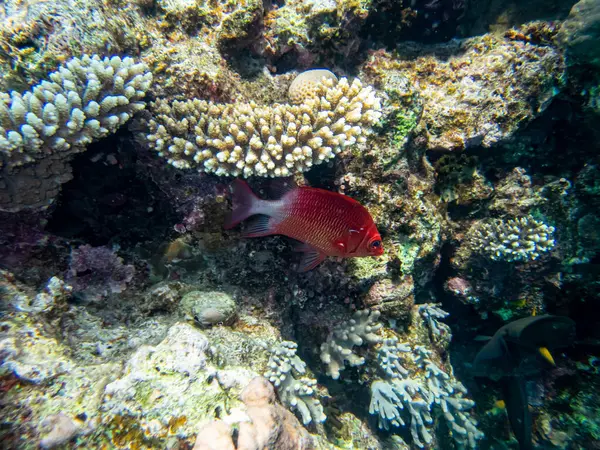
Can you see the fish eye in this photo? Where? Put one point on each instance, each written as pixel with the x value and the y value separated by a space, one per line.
pixel 376 244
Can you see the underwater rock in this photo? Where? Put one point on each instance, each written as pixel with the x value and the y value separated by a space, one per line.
pixel 393 298
pixel 62 429
pixel 459 82
pixel 580 33
pixel 167 382
pixel 163 297
pixel 302 32
pixel 268 425
pixel 208 308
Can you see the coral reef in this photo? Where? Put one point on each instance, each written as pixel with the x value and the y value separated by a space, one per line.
pixel 478 91
pixel 132 320
pixel 277 140
pixel 521 239
pixel 338 348
pixel 83 101
pixel 298 394
pixel 414 382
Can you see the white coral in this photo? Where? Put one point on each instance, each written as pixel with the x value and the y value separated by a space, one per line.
pixel 268 141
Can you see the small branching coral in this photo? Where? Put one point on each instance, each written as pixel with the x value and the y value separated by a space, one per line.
pixel 297 394
pixel 340 342
pixel 268 141
pixel 84 100
pixel 414 383
pixel 431 313
pixel 521 239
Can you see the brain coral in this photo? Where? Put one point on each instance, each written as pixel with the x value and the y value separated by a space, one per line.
pixel 304 84
pixel 269 141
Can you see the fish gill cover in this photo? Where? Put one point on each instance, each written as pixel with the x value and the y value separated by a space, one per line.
pixel 468 133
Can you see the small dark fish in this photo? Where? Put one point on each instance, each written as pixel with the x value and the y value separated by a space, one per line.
pixel 518 349
pixel 521 347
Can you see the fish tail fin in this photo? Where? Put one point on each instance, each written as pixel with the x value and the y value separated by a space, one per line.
pixel 244 203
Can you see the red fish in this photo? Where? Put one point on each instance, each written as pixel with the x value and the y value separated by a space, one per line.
pixel 327 223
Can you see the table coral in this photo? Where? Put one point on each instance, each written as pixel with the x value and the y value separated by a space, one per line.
pixel 85 100
pixel 273 141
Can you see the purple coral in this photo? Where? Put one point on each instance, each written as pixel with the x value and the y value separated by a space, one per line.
pixel 98 271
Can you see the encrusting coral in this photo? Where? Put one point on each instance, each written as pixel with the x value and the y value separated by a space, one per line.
pixel 269 141
pixel 298 394
pixel 521 239
pixel 337 349
pixel 83 101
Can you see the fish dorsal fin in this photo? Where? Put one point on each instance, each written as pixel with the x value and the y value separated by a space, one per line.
pixel 258 226
pixel 311 259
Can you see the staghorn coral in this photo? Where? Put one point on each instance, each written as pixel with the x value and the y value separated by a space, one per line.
pixel 84 100
pixel 273 141
pixel 298 394
pixel 520 239
pixel 337 349
pixel 415 383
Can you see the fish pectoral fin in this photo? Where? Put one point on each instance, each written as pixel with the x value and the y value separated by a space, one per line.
pixel 310 260
pixel 546 355
pixel 258 226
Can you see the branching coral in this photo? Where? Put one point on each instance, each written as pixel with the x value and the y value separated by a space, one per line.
pixel 338 348
pixel 268 141
pixel 521 239
pixel 415 383
pixel 431 313
pixel 298 394
pixel 84 100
